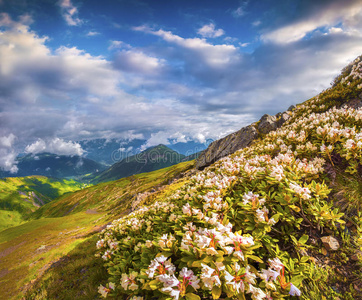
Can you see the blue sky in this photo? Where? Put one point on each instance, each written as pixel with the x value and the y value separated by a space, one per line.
pixel 74 70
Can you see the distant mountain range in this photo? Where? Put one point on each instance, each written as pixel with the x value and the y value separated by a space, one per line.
pixel 52 165
pixel 152 159
pixel 112 151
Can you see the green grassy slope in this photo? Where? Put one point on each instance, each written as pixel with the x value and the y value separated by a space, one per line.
pixel 115 195
pixel 19 196
pixel 54 252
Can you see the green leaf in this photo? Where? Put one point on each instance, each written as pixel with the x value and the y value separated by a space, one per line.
pixel 256 258
pixel 196 264
pixel 304 259
pixel 296 280
pixel 216 292
pixel 191 296
pixel 304 238
pixel 295 208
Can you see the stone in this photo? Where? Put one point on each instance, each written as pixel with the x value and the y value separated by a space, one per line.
pixel 267 123
pixel 330 243
pixel 227 145
pixel 291 108
pixel 282 119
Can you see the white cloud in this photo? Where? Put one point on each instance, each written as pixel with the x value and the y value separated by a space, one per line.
pixel 69 12
pixel 256 23
pixel 209 31
pixel 335 30
pixel 139 62
pixel 56 146
pixel 214 56
pixel 346 12
pixel 239 12
pixel 93 33
pixel 118 45
pixel 7 153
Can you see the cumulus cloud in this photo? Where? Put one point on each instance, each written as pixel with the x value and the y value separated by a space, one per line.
pixel 183 88
pixel 209 31
pixel 348 12
pixel 214 56
pixel 118 44
pixel 69 12
pixel 7 154
pixel 56 146
pixel 138 62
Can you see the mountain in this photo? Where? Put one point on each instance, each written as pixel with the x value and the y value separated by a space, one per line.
pixel 153 158
pixel 52 165
pixel 280 218
pixel 20 196
pixel 112 151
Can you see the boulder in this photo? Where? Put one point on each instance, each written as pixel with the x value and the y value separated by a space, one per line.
pixel 240 139
pixel 225 146
pixel 330 243
pixel 267 123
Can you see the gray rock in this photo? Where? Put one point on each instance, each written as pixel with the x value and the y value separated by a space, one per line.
pixel 227 145
pixel 267 124
pixel 240 139
pixel 291 108
pixel 282 119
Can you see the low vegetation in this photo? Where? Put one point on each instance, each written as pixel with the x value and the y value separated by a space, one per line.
pixel 255 225
pixel 20 196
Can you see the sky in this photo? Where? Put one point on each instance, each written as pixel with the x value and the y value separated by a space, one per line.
pixel 73 70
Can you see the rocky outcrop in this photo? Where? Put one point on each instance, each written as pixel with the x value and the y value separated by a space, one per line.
pixel 226 146
pixel 240 139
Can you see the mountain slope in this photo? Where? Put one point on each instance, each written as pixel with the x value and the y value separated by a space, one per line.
pixel 52 165
pixel 263 223
pixel 149 160
pixel 19 196
pixel 59 237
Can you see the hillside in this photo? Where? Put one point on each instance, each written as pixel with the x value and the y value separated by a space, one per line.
pixel 263 223
pixel 20 196
pixel 279 219
pixel 61 236
pixel 152 159
pixel 52 165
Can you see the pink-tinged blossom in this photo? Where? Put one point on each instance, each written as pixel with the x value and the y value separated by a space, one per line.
pixel 257 294
pixel 267 274
pixel 276 264
pixel 209 277
pixel 294 291
pixel 189 277
pixel 128 281
pixel 103 291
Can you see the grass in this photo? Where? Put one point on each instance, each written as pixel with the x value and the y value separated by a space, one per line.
pixel 20 196
pixel 9 219
pixel 27 250
pixel 112 196
pixel 52 255
pixel 75 276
